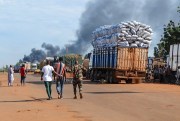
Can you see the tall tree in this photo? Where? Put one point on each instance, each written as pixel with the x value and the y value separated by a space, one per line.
pixel 170 36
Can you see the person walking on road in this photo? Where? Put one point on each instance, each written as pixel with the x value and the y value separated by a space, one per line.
pixel 46 76
pixel 161 72
pixel 178 75
pixel 77 79
pixel 23 74
pixel 168 75
pixel 10 76
pixel 61 70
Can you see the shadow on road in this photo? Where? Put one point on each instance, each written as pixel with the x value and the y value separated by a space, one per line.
pixel 68 81
pixel 32 100
pixel 112 92
pixel 35 82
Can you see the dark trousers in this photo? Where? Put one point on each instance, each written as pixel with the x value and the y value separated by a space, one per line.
pixel 168 79
pixel 77 82
pixel 48 87
pixel 161 78
pixel 23 80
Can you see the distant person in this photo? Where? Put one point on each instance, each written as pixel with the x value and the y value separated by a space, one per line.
pixel 61 70
pixel 23 74
pixel 178 76
pixel 46 76
pixel 77 79
pixel 156 73
pixel 10 76
pixel 161 72
pixel 168 74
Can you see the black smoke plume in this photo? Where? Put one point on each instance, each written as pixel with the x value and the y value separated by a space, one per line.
pixel 51 50
pixel 38 55
pixel 35 55
pixel 155 13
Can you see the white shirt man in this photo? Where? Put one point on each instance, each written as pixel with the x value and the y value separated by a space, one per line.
pixel 47 70
pixel 47 77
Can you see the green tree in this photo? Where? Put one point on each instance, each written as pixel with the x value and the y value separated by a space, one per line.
pixel 156 52
pixel 170 36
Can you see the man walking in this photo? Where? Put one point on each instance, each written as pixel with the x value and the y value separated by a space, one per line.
pixel 47 77
pixel 23 74
pixel 77 79
pixel 178 75
pixel 60 69
pixel 10 76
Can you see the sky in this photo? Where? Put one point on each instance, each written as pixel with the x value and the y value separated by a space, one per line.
pixel 27 24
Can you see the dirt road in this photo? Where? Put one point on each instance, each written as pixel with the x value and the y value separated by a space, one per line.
pixel 101 102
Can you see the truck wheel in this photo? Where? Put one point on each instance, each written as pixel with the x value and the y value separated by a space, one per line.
pixel 93 75
pixel 115 81
pixel 107 77
pixel 129 81
pixel 137 81
pixel 111 77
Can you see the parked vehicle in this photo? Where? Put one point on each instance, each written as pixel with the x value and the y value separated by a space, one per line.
pixel 174 57
pixel 33 67
pixel 115 64
pixel 16 69
pixel 69 60
pixel 27 66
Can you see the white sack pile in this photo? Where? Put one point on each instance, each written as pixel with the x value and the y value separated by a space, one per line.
pixel 125 34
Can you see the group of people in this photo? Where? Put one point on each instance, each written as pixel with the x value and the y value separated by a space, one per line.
pixel 164 75
pixel 60 70
pixel 47 73
pixel 11 75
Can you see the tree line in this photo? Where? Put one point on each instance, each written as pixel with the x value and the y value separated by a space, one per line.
pixel 171 35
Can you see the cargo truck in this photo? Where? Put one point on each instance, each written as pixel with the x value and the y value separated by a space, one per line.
pixel 69 60
pixel 174 57
pixel 116 64
pixel 27 66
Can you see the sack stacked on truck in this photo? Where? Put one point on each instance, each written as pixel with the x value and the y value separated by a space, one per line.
pixel 126 34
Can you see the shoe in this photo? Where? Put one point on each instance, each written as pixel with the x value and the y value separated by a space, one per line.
pixel 49 99
pixel 59 96
pixel 81 96
pixel 75 97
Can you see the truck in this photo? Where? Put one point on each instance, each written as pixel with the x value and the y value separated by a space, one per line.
pixel 68 60
pixel 174 57
pixel 27 66
pixel 16 68
pixel 34 67
pixel 117 64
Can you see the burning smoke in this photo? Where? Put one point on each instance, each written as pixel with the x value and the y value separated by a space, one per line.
pixel 39 55
pixel 35 55
pixel 155 13
pixel 51 50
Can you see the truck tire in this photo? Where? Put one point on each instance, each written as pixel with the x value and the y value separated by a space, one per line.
pixel 129 81
pixel 111 77
pixel 107 77
pixel 137 81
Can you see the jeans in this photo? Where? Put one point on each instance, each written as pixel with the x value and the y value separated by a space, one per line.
pixel 60 85
pixel 23 80
pixel 48 87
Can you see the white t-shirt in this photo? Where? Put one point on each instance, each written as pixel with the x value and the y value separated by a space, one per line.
pixel 47 70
